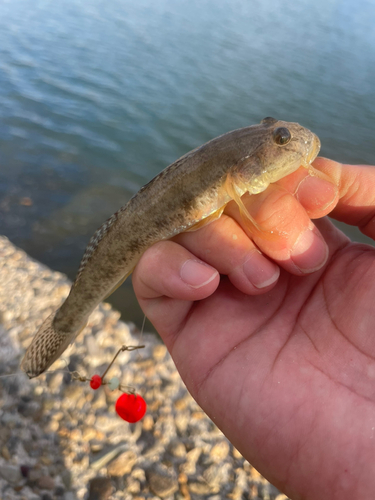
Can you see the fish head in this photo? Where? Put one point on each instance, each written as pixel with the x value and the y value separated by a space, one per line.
pixel 280 149
pixel 285 147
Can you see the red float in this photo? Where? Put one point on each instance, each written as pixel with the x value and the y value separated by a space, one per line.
pixel 95 382
pixel 131 407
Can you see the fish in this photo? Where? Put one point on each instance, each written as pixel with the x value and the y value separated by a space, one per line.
pixel 188 194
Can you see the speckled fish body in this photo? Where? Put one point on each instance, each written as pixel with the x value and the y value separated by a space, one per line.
pixel 190 192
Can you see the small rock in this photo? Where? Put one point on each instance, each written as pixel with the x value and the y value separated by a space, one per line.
pixel 198 415
pixel 236 494
pixel 148 423
pixel 69 495
pixel 88 434
pixel 181 404
pixel 216 475
pixel 46 496
pixel 83 460
pixel 100 488
pixel 182 420
pixel 220 451
pixel 26 201
pixel 241 483
pixel 66 478
pixel 46 483
pixel 59 491
pixel 5 453
pixel 178 450
pixel 96 446
pixel 189 467
pixel 6 316
pixel 133 486
pixel 48 404
pixel 25 470
pixel 58 416
pixel 28 408
pixel 34 475
pixel 90 419
pixel 76 435
pixel 28 494
pixel 236 454
pixel 46 460
pixel 123 464
pixel 53 426
pixel 162 482
pixel 139 474
pixel 199 488
pixel 11 473
pixel 159 352
pixel 182 478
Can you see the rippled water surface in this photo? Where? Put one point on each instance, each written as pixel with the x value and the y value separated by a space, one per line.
pixel 96 97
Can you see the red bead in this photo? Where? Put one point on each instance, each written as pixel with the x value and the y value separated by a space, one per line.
pixel 131 407
pixel 95 382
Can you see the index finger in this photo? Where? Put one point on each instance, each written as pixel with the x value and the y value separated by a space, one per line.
pixel 356 183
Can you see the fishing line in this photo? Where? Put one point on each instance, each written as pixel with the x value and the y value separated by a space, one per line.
pixel 130 406
pixel 143 327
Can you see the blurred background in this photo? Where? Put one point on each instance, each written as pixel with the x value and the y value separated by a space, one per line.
pixel 97 97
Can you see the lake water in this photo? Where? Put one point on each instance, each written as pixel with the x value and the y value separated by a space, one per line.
pixel 96 97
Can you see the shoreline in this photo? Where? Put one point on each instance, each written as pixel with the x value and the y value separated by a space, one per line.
pixel 59 439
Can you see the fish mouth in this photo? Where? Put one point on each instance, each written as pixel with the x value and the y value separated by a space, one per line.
pixel 313 150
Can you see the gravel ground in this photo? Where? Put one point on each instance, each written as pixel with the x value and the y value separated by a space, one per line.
pixel 59 439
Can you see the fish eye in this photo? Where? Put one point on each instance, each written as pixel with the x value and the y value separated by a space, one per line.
pixel 281 136
pixel 269 120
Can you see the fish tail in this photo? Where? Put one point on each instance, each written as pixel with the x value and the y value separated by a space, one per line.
pixel 47 345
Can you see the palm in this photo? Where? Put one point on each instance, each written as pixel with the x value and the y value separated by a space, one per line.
pixel 296 372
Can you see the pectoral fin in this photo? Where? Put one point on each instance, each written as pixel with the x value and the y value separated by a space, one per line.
pixel 313 172
pixel 210 218
pixel 249 221
pixel 233 193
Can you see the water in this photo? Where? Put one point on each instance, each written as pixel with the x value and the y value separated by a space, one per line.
pixel 96 97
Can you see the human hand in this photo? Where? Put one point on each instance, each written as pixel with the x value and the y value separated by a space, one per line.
pixel 281 358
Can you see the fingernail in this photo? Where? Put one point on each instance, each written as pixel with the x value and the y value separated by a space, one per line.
pixel 197 274
pixel 310 251
pixel 325 192
pixel 260 271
